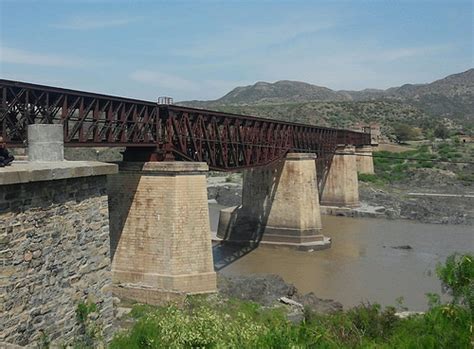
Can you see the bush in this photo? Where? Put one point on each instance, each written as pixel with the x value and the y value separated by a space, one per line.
pixel 239 324
pixel 441 131
pixel 403 133
pixel 457 276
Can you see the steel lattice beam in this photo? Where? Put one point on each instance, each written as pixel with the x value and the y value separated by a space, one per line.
pixel 157 132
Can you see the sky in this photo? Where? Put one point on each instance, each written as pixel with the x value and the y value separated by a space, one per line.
pixel 203 49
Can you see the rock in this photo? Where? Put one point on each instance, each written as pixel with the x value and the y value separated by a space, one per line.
pixel 402 247
pixel 226 194
pixel 295 315
pixel 290 301
pixel 122 312
pixel 28 256
pixel 319 305
pixel 265 289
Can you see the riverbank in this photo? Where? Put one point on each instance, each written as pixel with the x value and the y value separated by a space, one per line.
pixel 230 320
pixel 398 200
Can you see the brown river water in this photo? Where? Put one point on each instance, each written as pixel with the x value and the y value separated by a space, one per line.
pixel 361 265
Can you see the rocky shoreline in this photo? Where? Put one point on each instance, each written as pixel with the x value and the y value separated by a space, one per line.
pixel 454 205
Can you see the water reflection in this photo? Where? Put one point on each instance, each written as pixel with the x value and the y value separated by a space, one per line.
pixel 361 265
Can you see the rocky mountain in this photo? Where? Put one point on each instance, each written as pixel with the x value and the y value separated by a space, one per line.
pixel 451 97
pixel 281 92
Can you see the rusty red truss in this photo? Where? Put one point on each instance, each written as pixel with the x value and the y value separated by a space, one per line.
pixel 151 131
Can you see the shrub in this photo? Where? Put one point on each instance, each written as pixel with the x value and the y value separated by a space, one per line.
pixel 90 332
pixel 238 324
pixel 457 276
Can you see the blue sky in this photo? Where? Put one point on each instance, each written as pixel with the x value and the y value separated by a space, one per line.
pixel 203 49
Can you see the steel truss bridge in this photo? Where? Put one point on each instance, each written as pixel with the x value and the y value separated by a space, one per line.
pixel 156 132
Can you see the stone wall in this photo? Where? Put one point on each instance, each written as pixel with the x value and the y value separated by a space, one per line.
pixel 54 253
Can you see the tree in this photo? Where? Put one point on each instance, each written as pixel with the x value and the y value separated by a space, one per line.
pixel 403 132
pixel 441 131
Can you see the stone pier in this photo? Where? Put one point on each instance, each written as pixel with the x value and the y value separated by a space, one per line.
pixel 365 162
pixel 280 206
pixel 160 232
pixel 341 187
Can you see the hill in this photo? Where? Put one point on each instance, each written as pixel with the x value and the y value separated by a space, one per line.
pixel 419 104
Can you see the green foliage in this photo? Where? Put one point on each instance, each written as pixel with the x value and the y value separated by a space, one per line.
pixel 446 326
pixel 90 332
pixel 457 275
pixel 238 324
pixel 404 132
pixel 83 310
pixel 44 340
pixel 392 167
pixel 441 131
pixel 465 177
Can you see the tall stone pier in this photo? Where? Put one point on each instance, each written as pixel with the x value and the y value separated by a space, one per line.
pixel 341 187
pixel 365 162
pixel 280 206
pixel 160 232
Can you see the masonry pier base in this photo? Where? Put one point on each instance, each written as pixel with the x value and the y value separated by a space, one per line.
pixel 365 162
pixel 342 187
pixel 160 233
pixel 280 206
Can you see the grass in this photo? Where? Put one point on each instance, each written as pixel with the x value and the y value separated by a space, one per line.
pixel 395 167
pixel 215 323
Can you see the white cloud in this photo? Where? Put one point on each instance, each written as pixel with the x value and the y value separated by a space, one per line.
pixel 94 22
pixel 19 56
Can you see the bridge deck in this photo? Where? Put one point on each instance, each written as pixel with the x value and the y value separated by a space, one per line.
pixel 157 131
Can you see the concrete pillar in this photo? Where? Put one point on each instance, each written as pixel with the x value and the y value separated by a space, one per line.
pixel 280 205
pixel 341 187
pixel 45 142
pixel 160 232
pixel 365 162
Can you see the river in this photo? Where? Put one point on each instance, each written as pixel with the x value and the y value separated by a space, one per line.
pixel 361 265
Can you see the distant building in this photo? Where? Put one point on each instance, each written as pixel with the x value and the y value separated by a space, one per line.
pixel 464 138
pixel 373 128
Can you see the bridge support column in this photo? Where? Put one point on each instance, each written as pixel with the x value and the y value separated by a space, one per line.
pixel 365 162
pixel 341 187
pixel 160 233
pixel 280 206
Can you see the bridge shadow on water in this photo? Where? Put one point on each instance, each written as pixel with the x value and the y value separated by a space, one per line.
pixel 225 253
pixel 247 223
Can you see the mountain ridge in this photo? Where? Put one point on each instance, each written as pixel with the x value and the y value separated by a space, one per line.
pixel 451 97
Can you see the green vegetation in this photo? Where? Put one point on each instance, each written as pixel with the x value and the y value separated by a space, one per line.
pixel 457 275
pixel 337 114
pixel 89 334
pixel 424 106
pixel 404 132
pixel 441 131
pixel 394 167
pixel 214 323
